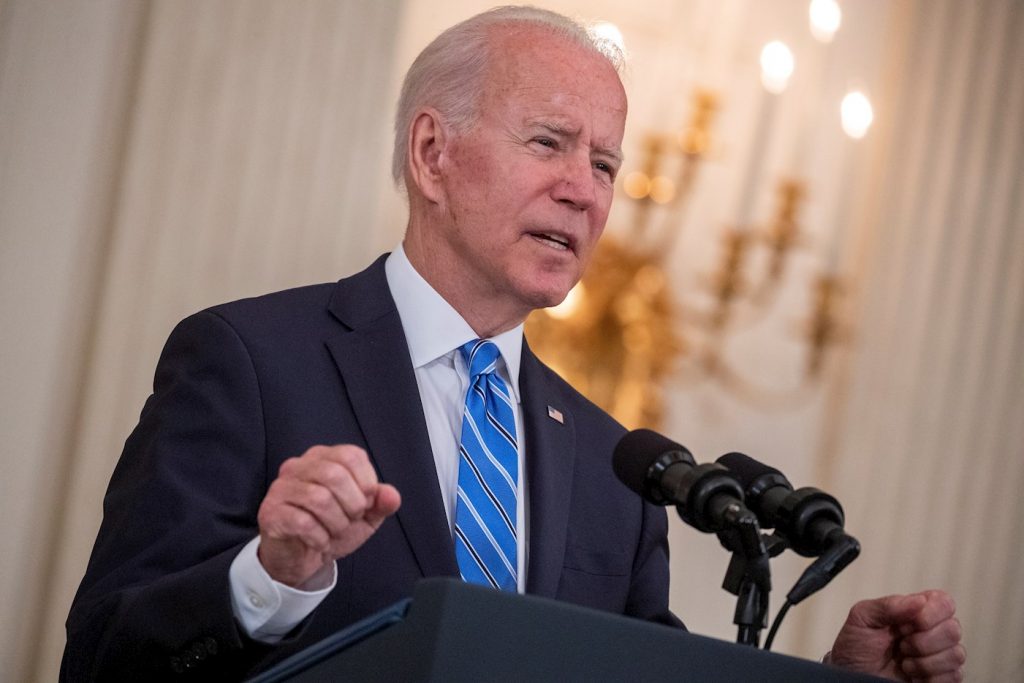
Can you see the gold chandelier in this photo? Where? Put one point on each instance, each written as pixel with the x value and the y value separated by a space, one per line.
pixel 621 334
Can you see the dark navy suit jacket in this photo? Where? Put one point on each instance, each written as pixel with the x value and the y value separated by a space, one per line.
pixel 243 386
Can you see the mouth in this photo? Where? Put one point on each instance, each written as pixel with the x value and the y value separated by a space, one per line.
pixel 558 242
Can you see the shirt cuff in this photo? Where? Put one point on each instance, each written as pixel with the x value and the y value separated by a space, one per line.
pixel 266 609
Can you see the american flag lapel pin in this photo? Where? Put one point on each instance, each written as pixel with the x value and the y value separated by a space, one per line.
pixel 556 415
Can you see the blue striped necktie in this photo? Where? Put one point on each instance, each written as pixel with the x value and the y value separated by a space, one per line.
pixel 485 511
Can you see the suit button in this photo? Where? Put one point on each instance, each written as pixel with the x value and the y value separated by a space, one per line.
pixel 197 652
pixel 211 645
pixel 176 665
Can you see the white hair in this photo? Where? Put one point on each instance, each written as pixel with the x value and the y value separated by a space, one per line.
pixel 448 74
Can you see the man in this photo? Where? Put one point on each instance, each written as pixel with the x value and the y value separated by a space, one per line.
pixel 221 551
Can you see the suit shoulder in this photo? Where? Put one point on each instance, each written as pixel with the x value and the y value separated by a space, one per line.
pixel 275 318
pixel 264 326
pixel 285 306
pixel 355 299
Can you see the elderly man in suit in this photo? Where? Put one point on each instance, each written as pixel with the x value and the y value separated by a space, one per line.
pixel 306 456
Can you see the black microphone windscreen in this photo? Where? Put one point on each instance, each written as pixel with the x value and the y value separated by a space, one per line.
pixel 746 469
pixel 636 452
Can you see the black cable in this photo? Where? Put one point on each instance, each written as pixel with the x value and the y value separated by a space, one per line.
pixel 776 624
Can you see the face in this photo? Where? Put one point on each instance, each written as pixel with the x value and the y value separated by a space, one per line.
pixel 527 190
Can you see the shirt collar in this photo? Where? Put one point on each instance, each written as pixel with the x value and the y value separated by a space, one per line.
pixel 432 327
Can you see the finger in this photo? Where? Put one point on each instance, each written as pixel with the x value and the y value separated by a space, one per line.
pixel 334 509
pixel 326 466
pixel 303 467
pixel 287 495
pixel 940 637
pixel 350 496
pixel 287 522
pixel 892 610
pixel 357 462
pixel 315 458
pixel 318 464
pixel 948 661
pixel 339 481
pixel 938 607
pixel 386 503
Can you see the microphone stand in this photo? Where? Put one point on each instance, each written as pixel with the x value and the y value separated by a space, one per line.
pixel 748 576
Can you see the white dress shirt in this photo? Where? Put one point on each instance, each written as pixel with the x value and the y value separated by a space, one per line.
pixel 434 331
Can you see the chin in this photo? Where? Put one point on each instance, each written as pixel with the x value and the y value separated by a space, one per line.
pixel 547 298
pixel 544 289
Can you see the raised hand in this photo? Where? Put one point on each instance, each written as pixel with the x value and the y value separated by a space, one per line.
pixel 322 506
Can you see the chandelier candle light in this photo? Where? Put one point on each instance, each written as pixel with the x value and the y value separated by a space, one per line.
pixel 776 68
pixel 825 326
pixel 856 116
pixel 727 283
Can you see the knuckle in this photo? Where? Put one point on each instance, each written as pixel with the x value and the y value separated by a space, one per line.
pixel 319 496
pixel 858 607
pixel 270 509
pixel 947 603
pixel 287 467
pixel 303 525
pixel 351 455
pixel 264 517
pixel 314 453
pixel 334 475
pixel 954 629
pixel 950 608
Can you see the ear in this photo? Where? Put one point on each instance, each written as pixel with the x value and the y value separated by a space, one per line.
pixel 427 141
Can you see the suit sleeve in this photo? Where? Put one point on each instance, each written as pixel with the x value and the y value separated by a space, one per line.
pixel 648 595
pixel 182 501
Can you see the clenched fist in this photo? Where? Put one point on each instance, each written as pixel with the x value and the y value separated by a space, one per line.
pixel 322 506
pixel 904 638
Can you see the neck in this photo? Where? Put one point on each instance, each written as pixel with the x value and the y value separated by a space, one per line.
pixel 487 314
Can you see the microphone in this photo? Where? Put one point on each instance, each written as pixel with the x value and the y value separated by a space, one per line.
pixel 809 519
pixel 710 499
pixel 664 472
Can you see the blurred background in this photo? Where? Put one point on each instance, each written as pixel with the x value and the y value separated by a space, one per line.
pixel 836 289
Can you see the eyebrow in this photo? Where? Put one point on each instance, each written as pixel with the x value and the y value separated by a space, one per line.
pixel 570 131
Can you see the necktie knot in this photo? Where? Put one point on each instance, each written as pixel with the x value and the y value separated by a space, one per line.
pixel 481 356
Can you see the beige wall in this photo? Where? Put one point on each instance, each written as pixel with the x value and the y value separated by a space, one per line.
pixel 156 157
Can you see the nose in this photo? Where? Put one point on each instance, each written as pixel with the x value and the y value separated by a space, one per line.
pixel 575 185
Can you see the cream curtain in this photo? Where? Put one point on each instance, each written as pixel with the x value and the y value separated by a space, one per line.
pixel 252 161
pixel 930 458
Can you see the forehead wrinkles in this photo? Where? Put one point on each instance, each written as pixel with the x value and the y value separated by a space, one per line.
pixel 567 113
pixel 557 79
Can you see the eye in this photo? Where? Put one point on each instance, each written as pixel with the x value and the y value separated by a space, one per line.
pixel 605 167
pixel 546 142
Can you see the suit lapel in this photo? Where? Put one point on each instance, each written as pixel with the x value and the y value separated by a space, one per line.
pixel 373 359
pixel 550 448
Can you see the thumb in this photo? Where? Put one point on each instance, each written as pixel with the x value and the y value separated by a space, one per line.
pixel 892 610
pixel 385 504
